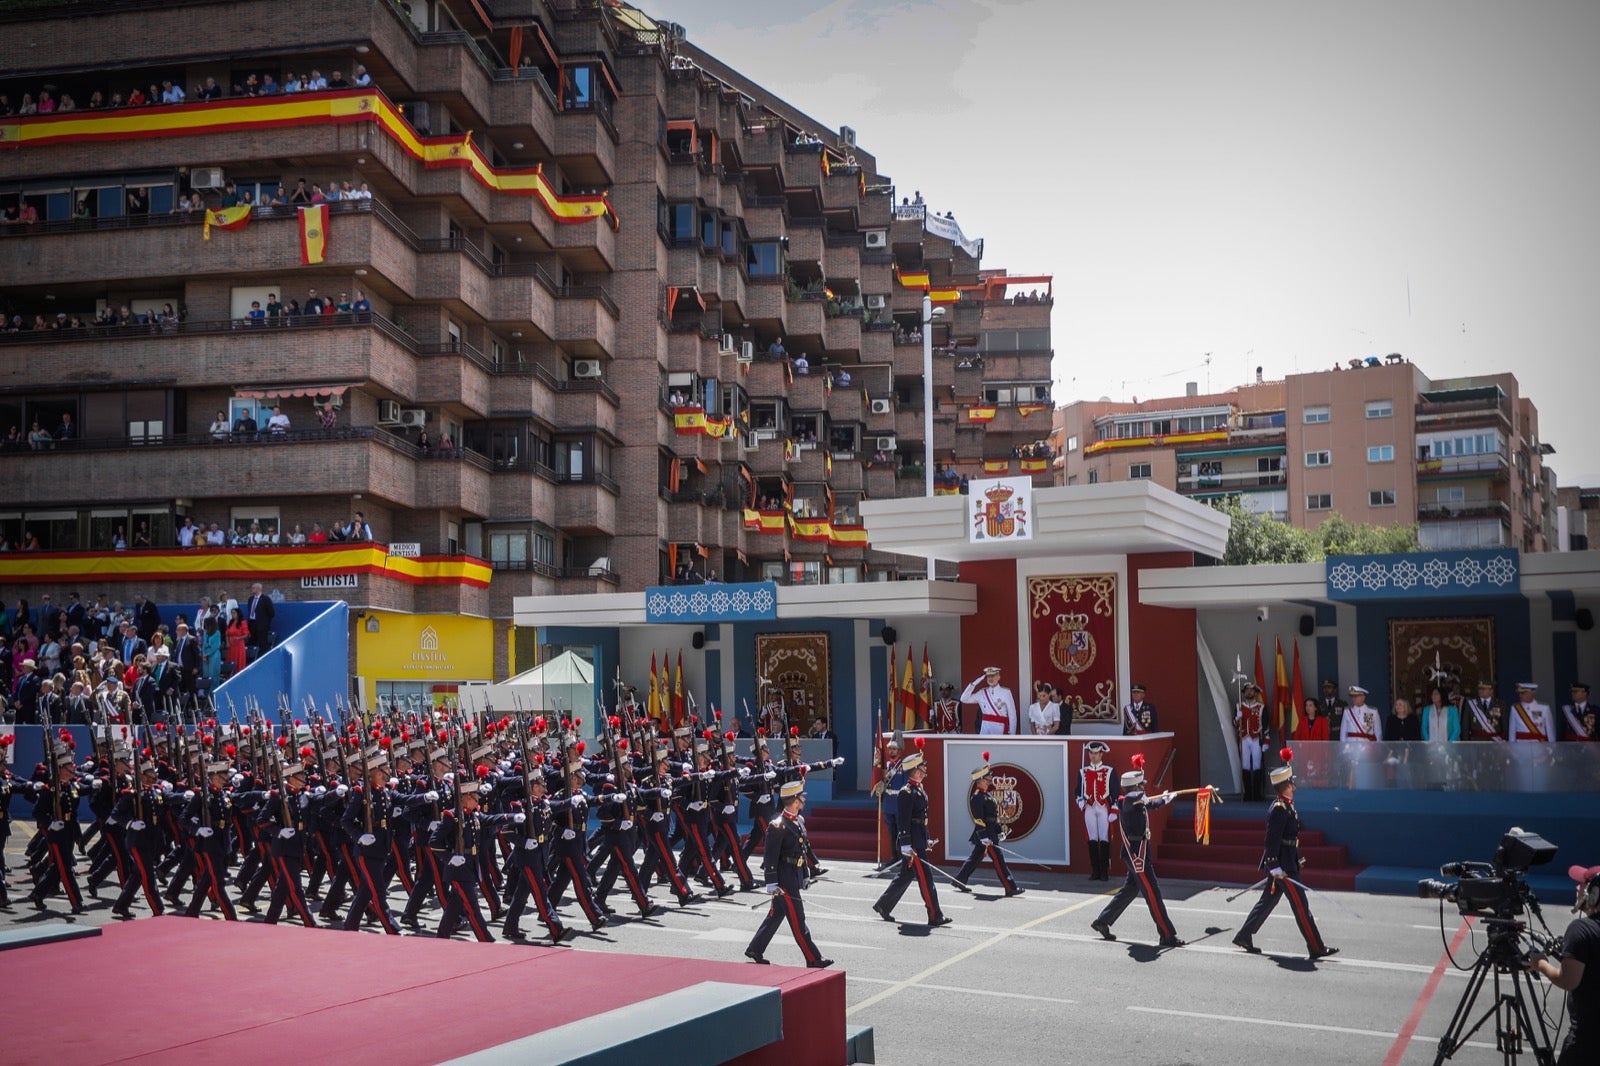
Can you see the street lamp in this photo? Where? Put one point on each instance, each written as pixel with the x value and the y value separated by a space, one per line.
pixel 929 313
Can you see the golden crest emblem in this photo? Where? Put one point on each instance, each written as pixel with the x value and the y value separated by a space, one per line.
pixel 1072 646
pixel 1018 800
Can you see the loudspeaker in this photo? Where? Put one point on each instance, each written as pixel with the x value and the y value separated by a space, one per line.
pixel 698 641
pixel 1308 624
pixel 889 635
pixel 1584 618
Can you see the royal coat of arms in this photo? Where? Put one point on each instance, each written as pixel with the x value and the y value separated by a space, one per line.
pixel 1000 509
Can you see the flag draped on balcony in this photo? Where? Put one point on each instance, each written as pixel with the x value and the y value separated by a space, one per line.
pixel 229 218
pixel 996 466
pixel 1026 409
pixel 981 414
pixel 313 234
pixel 1035 466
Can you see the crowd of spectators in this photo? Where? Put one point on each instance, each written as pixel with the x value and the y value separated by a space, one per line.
pixel 50 101
pixel 200 534
pixel 170 319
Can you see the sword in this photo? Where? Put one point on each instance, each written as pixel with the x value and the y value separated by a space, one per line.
pixel 1252 888
pixel 1335 902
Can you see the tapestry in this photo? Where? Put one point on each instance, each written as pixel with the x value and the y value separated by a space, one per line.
pixel 1460 649
pixel 796 665
pixel 1072 629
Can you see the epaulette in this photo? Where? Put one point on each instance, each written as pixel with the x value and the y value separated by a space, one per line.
pixel 776 822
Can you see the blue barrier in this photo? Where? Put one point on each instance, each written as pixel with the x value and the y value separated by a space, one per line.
pixel 311 662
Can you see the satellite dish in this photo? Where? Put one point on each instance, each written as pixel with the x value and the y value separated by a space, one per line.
pixel 1104 399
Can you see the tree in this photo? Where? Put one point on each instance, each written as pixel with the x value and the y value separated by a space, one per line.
pixel 1257 538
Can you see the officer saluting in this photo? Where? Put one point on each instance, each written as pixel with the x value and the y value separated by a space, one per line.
pixel 1135 807
pixel 997 708
pixel 1281 861
pixel 986 833
pixel 783 864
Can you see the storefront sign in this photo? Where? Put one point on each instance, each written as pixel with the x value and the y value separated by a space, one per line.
pixel 429 648
pixel 406 549
pixel 329 581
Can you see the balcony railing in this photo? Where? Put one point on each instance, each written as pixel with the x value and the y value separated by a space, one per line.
pixel 1455 465
pixel 1235 479
pixel 1479 508
pixel 260 438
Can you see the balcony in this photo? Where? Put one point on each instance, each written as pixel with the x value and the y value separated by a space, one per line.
pixel 587 508
pixel 1485 507
pixel 1495 465
pixel 583 403
pixel 688 522
pixel 845 403
pixel 447 481
pixel 767 459
pixel 766 303
pixel 881 481
pixel 1463 408
pixel 842 333
pixel 1231 481
pixel 805 244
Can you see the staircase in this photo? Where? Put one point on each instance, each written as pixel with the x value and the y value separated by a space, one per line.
pixel 843 832
pixel 1234 853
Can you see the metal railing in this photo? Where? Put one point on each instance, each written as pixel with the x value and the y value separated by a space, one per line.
pixel 1460 766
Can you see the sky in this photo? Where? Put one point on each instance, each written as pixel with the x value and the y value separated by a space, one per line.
pixel 1257 184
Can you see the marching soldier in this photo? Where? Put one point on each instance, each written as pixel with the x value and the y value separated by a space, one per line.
pixel 1097 799
pixel 425 819
pixel 724 811
pixel 694 816
pixel 56 811
pixel 1486 718
pixel 912 818
pixel 530 865
pixel 758 785
pixel 207 817
pixel 1579 715
pixel 946 712
pixel 1531 721
pixel 1280 860
pixel 139 809
pixel 455 843
pixel 1359 722
pixel 1135 808
pixel 783 864
pixel 571 813
pixel 1139 717
pixel 282 822
pixel 657 798
pixel 986 833
pixel 1249 723
pixel 367 817
pixel 618 842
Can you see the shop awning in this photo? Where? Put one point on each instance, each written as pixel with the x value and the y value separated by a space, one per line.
pixel 286 392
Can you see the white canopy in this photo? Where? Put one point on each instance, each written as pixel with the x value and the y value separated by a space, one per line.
pixel 565 683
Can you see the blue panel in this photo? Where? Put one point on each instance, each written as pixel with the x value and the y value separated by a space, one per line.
pixel 1327 614
pixel 1424 575
pixel 1564 658
pixel 1563 605
pixel 1513 661
pixel 1327 665
pixel 311 661
pixel 606 647
pixel 714 678
pixel 751 601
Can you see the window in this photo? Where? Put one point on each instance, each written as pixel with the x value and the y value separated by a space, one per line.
pixel 1094 477
pixel 1323 458
pixel 1450 494
pixel 1316 415
pixel 1380 408
pixel 1138 470
pixel 1319 501
pixel 246 520
pixel 1380 453
pixel 1072 443
pixel 1380 498
pixel 763 259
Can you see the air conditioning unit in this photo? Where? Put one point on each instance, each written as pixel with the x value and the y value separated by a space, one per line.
pixel 847 136
pixel 876 301
pixel 336 399
pixel 587 368
pixel 206 178
pixel 886 444
pixel 879 407
pixel 413 417
pixel 416 113
pixel 388 413
pixel 747 352
pixel 877 238
pixel 727 344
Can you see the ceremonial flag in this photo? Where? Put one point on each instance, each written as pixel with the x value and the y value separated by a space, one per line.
pixel 893 718
pixel 227 218
pixel 677 694
pixel 1261 676
pixel 313 234
pixel 908 694
pixel 925 692
pixel 1280 689
pixel 653 707
pixel 1297 698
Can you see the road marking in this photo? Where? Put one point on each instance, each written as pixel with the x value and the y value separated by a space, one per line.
pixel 1402 1040
pixel 965 990
pixel 967 954
pixel 864 899
pixel 1276 1023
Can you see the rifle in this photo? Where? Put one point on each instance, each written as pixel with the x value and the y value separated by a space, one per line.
pixel 344 765
pixel 50 756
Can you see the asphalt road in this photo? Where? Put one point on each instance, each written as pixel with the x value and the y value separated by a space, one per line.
pixel 1025 980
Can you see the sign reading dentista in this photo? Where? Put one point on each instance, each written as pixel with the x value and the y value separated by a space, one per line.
pixel 424 647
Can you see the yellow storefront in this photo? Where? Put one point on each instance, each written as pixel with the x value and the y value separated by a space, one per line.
pixel 421 657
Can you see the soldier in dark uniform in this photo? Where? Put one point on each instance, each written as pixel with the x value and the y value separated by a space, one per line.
pixel 455 842
pixel 694 816
pixel 529 868
pixel 656 803
pixel 282 821
pixel 986 833
pixel 1135 807
pixel 139 808
pixel 760 788
pixel 425 819
pixel 912 817
pixel 783 865
pixel 370 816
pixel 619 840
pixel 891 780
pixel 56 811
pixel 1139 717
pixel 105 785
pixel 207 817
pixel 571 813
pixel 6 741
pixel 1332 706
pixel 1281 862
pixel 1485 716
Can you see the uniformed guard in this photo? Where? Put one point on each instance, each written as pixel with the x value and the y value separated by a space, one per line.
pixel 1359 721
pixel 282 821
pixel 1097 799
pixel 571 811
pixel 619 840
pixel 456 843
pixel 1249 722
pixel 1135 808
pixel 783 864
pixel 1530 721
pixel 1139 716
pixel 1281 862
pixel 656 800
pixel 425 819
pixel 368 815
pixel 207 817
pixel 891 780
pixel 139 810
pixel 758 785
pixel 987 832
pixel 946 712
pixel 1486 717
pixel 912 817
pixel 56 811
pixel 694 816
pixel 1578 717
pixel 529 869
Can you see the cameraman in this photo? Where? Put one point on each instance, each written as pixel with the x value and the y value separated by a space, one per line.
pixel 1579 972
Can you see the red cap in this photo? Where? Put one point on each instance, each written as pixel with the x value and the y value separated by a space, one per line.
pixel 1584 874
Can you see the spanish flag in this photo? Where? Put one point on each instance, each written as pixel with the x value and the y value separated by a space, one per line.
pixel 1026 409
pixel 313 234
pixel 678 715
pixel 996 466
pixel 980 414
pixel 653 707
pixel 908 694
pixel 1034 466
pixel 227 218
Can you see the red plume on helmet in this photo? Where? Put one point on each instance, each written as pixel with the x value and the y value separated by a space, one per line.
pixel 985 756
pixel 538 758
pixel 385 743
pixel 794 731
pixel 244 730
pixel 761 730
pixel 616 723
pixel 579 747
pixel 921 742
pixel 283 742
pixel 577 723
pixel 709 733
pixel 482 771
pixel 230 751
pixel 729 736
pixel 622 745
pixel 307 752
pixel 1138 761
pixel 1286 754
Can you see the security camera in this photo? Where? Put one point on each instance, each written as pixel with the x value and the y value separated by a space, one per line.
pixel 1261 614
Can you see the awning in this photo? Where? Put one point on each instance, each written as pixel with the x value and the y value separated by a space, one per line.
pixel 275 392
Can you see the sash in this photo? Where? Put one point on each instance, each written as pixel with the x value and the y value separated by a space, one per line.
pixel 1527 722
pixel 1575 724
pixel 1355 720
pixel 990 712
pixel 1480 716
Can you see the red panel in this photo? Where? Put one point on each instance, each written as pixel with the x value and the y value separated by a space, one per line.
pixel 1161 654
pixel 989 636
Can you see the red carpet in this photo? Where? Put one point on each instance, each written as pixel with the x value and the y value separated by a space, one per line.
pixel 175 991
pixel 1234 854
pixel 844 833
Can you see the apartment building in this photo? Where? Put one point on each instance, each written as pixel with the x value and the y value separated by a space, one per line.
pixel 1376 441
pixel 550 362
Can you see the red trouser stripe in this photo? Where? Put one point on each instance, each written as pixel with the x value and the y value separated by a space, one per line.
pixel 214 887
pixel 628 873
pixel 738 855
pixel 922 884
pixel 470 909
pixel 664 854
pixel 580 890
pixel 64 873
pixel 705 855
pixel 539 902
pixel 150 893
pixel 1302 915
pixel 376 902
pixel 799 933
pixel 1153 901
pixel 291 889
pixel 1000 868
pixel 400 869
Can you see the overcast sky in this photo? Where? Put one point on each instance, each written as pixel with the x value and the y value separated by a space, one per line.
pixel 1275 184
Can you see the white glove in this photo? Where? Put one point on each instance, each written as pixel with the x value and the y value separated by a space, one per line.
pixel 986 842
pixel 458 860
pixel 187 796
pixel 568 834
pixel 137 827
pixel 728 808
pixel 580 801
pixel 205 832
pixel 765 797
pixel 88 764
pixel 658 817
pixel 771 775
pixel 342 790
pixel 626 823
pixel 366 840
pixel 838 760
pixel 1276 871
pixel 286 833
pixel 431 797
pixel 95 783
pixel 772 890
pixel 1082 803
pixel 319 791
pixel 530 844
pixel 485 788
pixel 305 801
pixel 697 806
pixel 1113 815
pixel 519 818
pixel 433 825
pixel 236 780
pixel 905 849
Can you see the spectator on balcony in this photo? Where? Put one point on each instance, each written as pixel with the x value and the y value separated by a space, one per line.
pixel 260 538
pixel 776 349
pixel 38 438
pixel 245 427
pixel 172 94
pixel 363 79
pixel 230 196
pixel 278 424
pixel 363 193
pixel 240 538
pixel 68 429
pixel 316 83
pixel 215 537
pixel 211 90
pixel 47 103
pixel 802 365
pixel 357 529
pixel 301 195
pixel 315 305
pixel 333 192
pixel 362 306
pixel 6 110
pixel 257 315
pixel 274 305
pixel 297 539
pixel 292 311
pixel 269 87
pixel 327 418
pixel 186 533
pixel 318 535
pixel 292 83
pixel 424 443
pixel 67 103
pixel 317 195
pixel 119 540
pixel 337 81
pixel 446 444
pixel 342 304
pixel 219 427
pixel 27 106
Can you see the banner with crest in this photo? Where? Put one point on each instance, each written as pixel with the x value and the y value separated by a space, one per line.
pixel 1072 629
pixel 796 664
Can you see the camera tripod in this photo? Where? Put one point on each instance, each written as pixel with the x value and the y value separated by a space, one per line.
pixel 1513 1019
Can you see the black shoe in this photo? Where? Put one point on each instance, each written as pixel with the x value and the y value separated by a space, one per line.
pixel 514 934
pixel 757 959
pixel 819 964
pixel 653 910
pixel 819 871
pixel 962 886
pixel 1018 892
pixel 410 921
pixel 597 926
pixel 882 913
pixel 1103 929
pixel 561 933
pixel 1243 941
pixel 724 891
pixel 1324 953
pixel 943 919
pixel 38 904
pixel 118 912
pixel 1171 942
pixel 607 911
